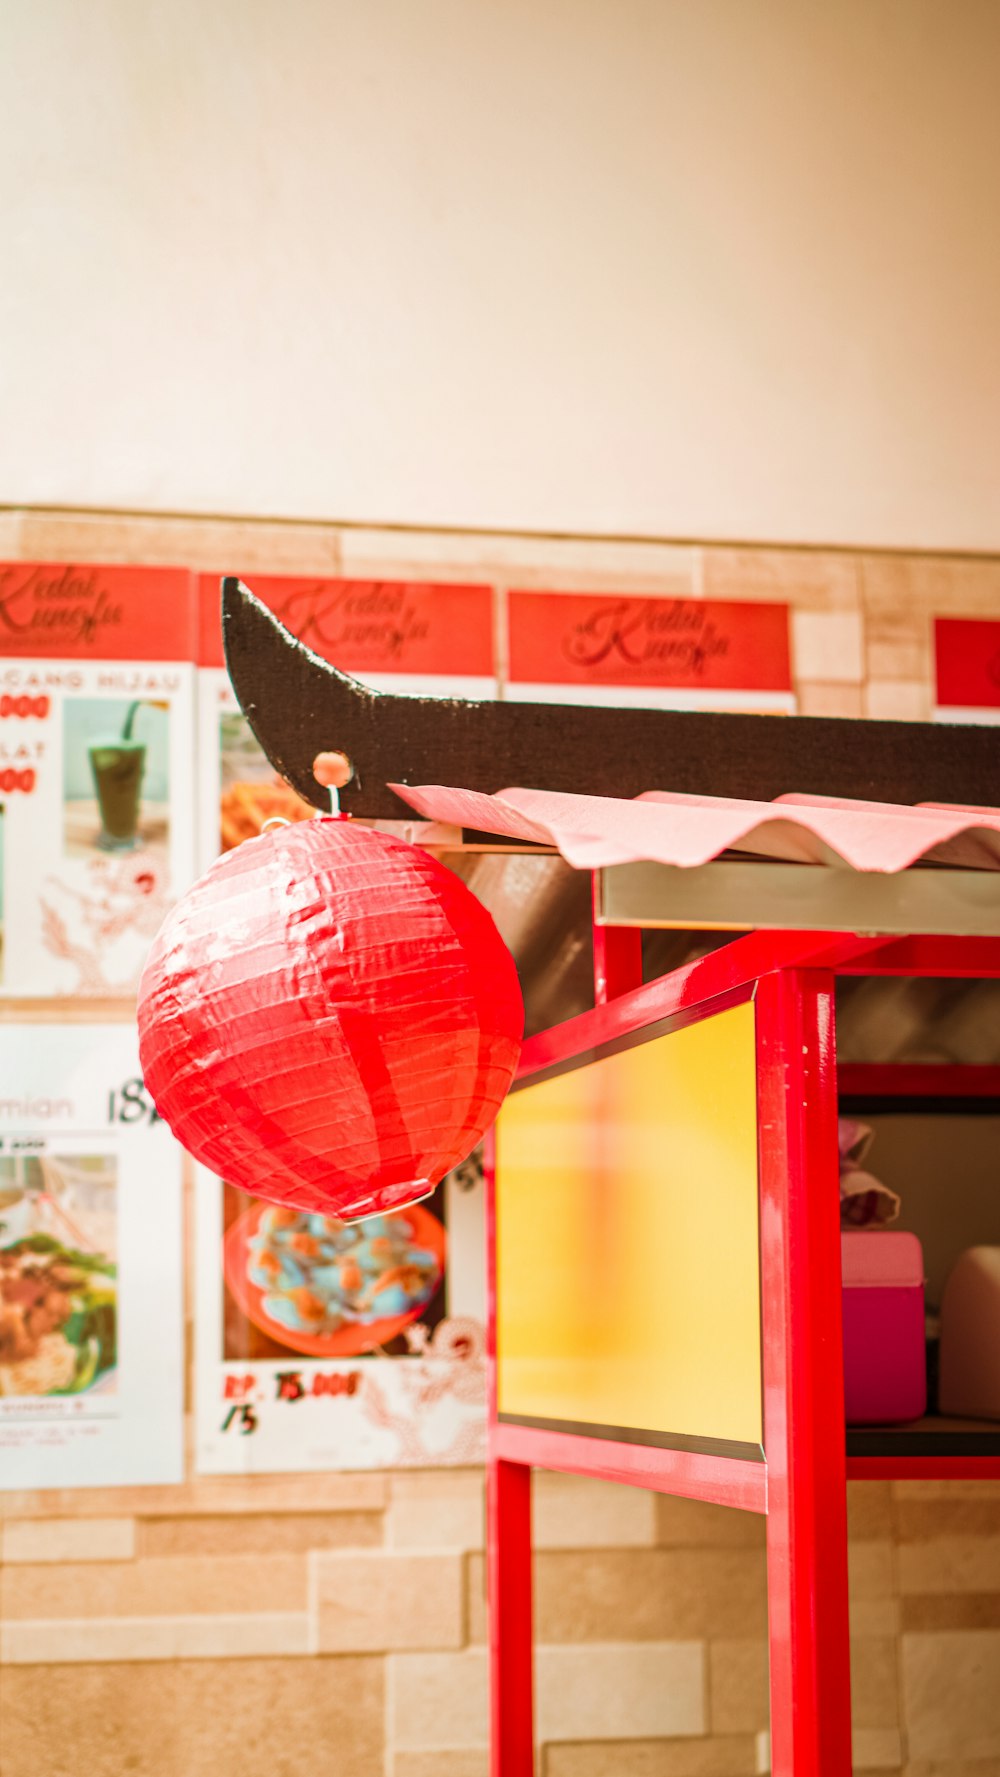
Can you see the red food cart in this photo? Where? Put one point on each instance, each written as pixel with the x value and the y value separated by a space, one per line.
pixel 664 1257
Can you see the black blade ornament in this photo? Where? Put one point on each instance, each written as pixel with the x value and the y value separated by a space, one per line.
pixel 299 706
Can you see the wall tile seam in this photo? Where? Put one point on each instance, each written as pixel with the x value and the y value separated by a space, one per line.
pixel 477 1652
pixel 31 1506
pixel 706 1686
pixel 607 1548
pixel 281 1563
pixel 22 1629
pixel 21 512
pixel 11 1556
pixel 312 1605
pixel 911 1532
pixel 467 1581
pixel 894 1577
pixel 388 1747
pixel 387 1552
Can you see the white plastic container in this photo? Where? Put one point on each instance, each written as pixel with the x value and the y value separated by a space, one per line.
pixel 969 1385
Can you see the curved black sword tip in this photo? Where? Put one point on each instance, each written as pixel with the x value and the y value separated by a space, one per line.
pixel 298 705
pixel 246 619
pixel 279 684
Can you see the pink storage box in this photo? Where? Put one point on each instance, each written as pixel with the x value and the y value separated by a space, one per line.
pixel 885 1374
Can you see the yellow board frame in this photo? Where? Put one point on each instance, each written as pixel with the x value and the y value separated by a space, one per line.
pixel 627 1242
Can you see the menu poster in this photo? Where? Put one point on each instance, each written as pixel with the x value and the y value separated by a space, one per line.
pixel 666 653
pixel 434 640
pixel 967 669
pixel 91 1301
pixel 96 771
pixel 324 1345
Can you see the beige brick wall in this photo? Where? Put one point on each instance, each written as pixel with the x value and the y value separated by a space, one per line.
pixel 158 1631
pixel 237 1627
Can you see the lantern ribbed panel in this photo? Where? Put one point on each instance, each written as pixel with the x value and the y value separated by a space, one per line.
pixel 329 1018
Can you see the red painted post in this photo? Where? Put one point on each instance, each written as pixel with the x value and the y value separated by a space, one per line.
pixel 804 1437
pixel 508 1522
pixel 617 954
pixel 508 1543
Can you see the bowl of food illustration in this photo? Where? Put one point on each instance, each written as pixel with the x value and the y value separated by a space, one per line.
pixel 327 1288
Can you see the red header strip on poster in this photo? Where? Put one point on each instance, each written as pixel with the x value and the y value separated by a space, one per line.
pixel 375 626
pixel 82 611
pixel 610 639
pixel 967 662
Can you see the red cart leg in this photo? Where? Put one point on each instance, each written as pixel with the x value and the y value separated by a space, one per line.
pixel 617 954
pixel 508 1543
pixel 509 1532
pixel 804 1436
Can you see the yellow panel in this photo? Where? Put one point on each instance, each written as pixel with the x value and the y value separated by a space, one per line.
pixel 628 1288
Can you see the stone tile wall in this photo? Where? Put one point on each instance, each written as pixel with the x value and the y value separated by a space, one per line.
pixel 233 1627
pixel 243 1627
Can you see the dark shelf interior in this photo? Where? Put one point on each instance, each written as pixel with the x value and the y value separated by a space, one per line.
pixel 933 1436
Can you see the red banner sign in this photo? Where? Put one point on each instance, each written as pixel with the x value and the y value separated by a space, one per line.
pixel 375 626
pixel 610 639
pixel 967 657
pixel 78 611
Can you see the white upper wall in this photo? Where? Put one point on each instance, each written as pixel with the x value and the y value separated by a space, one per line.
pixel 714 268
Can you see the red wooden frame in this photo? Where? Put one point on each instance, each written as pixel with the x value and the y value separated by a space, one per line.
pixel 801 1485
pixel 925 1080
pixel 508 1538
pixel 804 1440
pixel 724 1481
pixel 617 955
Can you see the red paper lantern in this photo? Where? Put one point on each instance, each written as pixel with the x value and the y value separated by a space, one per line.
pixel 329 1019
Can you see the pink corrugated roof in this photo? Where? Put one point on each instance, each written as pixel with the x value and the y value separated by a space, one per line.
pixel 665 828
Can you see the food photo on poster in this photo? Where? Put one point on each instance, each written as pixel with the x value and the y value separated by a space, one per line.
pixel 91 1280
pixel 329 1344
pixel 250 790
pixel 116 775
pixel 96 769
pixel 327 1287
pixel 58 1275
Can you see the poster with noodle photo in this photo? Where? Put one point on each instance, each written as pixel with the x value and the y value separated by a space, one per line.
pixel 96 770
pixel 91 1316
pixel 325 1345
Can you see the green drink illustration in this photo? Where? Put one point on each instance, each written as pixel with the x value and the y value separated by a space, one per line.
pixel 118 764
